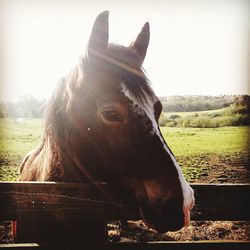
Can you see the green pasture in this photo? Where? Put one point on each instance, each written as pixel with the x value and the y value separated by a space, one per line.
pixel 17 137
pixel 195 148
pixel 196 141
pixel 198 150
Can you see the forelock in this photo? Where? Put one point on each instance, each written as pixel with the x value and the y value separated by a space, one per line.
pixel 142 104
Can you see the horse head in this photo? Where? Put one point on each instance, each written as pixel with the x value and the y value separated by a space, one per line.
pixel 103 123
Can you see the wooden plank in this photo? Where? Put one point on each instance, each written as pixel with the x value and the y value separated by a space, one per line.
pixel 221 202
pixel 54 229
pixel 169 245
pixel 74 201
pixel 64 200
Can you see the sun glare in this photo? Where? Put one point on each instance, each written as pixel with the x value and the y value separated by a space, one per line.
pixel 196 47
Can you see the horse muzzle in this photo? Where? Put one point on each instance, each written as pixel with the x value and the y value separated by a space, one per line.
pixel 168 217
pixel 160 207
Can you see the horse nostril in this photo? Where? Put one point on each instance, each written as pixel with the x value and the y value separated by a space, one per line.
pixel 172 212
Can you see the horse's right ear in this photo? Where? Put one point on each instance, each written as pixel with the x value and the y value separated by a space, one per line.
pixel 98 40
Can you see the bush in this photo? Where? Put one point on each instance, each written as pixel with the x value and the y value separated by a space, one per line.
pixel 202 122
pixel 212 115
pixel 174 116
pixel 237 114
pixel 163 120
pixel 171 124
pixel 205 121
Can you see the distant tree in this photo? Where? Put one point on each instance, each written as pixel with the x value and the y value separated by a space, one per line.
pixel 243 100
pixel 195 103
pixel 30 107
pixel 3 112
pixel 27 106
pixel 11 110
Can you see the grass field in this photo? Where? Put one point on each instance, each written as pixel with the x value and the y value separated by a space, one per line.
pixel 198 151
pixel 195 141
pixel 211 154
pixel 16 139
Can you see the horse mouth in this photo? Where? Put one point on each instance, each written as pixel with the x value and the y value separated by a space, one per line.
pixel 170 218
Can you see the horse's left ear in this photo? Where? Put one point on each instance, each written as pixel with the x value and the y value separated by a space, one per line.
pixel 140 45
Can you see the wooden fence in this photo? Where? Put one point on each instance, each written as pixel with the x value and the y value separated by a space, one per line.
pixel 87 207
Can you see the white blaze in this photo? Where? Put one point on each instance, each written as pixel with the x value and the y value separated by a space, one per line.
pixel 148 108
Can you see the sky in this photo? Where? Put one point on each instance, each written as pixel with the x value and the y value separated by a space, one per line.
pixel 197 47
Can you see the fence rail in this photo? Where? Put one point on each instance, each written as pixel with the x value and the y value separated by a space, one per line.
pixel 168 245
pixel 213 201
pixel 48 203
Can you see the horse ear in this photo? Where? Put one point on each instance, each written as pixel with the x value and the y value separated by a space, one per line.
pixel 100 33
pixel 140 45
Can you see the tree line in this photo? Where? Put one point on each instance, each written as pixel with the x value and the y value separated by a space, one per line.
pixel 31 107
pixel 235 113
pixel 196 103
pixel 26 107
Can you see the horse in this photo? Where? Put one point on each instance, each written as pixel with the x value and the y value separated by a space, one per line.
pixel 101 124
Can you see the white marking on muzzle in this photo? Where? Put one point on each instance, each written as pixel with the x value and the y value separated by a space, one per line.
pixel 188 193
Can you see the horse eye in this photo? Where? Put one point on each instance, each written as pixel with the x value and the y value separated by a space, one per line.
pixel 157 110
pixel 112 116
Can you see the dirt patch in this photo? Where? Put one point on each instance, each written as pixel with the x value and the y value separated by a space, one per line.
pixel 137 231
pixel 215 168
pixel 228 170
pixel 6 235
pixel 9 167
